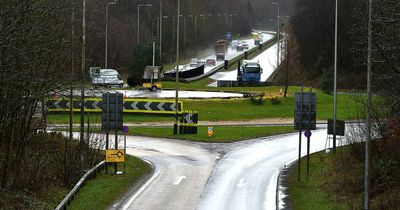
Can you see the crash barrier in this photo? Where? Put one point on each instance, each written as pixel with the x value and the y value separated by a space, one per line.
pixel 187 73
pixel 230 83
pixel 70 196
pixel 129 105
pixel 189 122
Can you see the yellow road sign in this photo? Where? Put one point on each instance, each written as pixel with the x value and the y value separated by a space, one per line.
pixel 115 156
pixel 210 132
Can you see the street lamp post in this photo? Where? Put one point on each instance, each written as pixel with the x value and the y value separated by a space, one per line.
pixel 106 45
pixel 277 34
pixel 173 29
pixel 335 78
pixel 231 21
pixel 82 78
pixel 138 20
pixel 177 71
pixel 161 23
pixel 195 32
pixel 184 31
pixel 368 136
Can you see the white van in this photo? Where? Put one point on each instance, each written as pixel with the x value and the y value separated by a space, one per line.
pixel 106 77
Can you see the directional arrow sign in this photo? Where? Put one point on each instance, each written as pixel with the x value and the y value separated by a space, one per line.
pixel 130 105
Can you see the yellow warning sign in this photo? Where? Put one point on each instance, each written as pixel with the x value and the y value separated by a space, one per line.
pixel 210 132
pixel 115 156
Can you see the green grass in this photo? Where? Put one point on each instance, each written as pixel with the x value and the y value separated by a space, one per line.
pixel 242 109
pixel 313 194
pixel 222 134
pixel 101 192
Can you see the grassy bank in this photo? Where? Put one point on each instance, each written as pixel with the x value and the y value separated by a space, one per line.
pixel 313 194
pixel 241 109
pixel 101 192
pixel 223 134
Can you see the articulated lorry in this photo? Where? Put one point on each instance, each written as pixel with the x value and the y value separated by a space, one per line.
pixel 249 71
pixel 221 48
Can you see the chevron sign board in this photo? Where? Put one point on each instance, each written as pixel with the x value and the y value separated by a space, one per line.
pixel 189 122
pixel 129 106
pixel 151 106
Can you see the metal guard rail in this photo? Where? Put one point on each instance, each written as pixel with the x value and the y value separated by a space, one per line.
pixel 70 196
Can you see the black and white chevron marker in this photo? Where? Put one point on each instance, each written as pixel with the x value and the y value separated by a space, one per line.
pixel 150 106
pixel 130 105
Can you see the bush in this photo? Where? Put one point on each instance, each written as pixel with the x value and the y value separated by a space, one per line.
pixel 326 83
pixel 275 100
pixel 133 81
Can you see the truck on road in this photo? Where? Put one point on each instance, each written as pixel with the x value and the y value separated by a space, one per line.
pixel 257 37
pixel 249 71
pixel 221 48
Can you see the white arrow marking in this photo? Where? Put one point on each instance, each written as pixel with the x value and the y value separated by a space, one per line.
pixel 188 118
pixel 172 107
pixel 160 106
pixel 133 105
pixel 241 183
pixel 179 179
pixel 68 104
pixel 56 104
pixel 147 106
pixel 96 104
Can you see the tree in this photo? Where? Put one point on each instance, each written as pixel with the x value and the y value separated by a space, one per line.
pixel 142 57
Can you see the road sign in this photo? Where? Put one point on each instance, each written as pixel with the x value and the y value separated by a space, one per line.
pixel 228 36
pixel 307 133
pixel 111 116
pixel 189 122
pixel 210 132
pixel 305 110
pixel 125 129
pixel 129 105
pixel 340 127
pixel 115 156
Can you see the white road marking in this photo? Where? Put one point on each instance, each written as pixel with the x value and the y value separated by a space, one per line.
pixel 241 183
pixel 179 179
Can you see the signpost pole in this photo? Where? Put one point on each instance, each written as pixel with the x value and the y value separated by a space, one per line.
pixel 124 152
pixel 301 121
pixel 107 123
pixel 116 127
pixel 309 133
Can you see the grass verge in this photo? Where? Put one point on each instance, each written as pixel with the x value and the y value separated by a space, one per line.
pixel 101 192
pixel 242 109
pixel 313 194
pixel 223 134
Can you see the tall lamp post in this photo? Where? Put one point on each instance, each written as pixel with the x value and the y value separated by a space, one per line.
pixel 138 20
pixel 278 34
pixel 368 136
pixel 177 71
pixel 161 24
pixel 106 47
pixel 231 21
